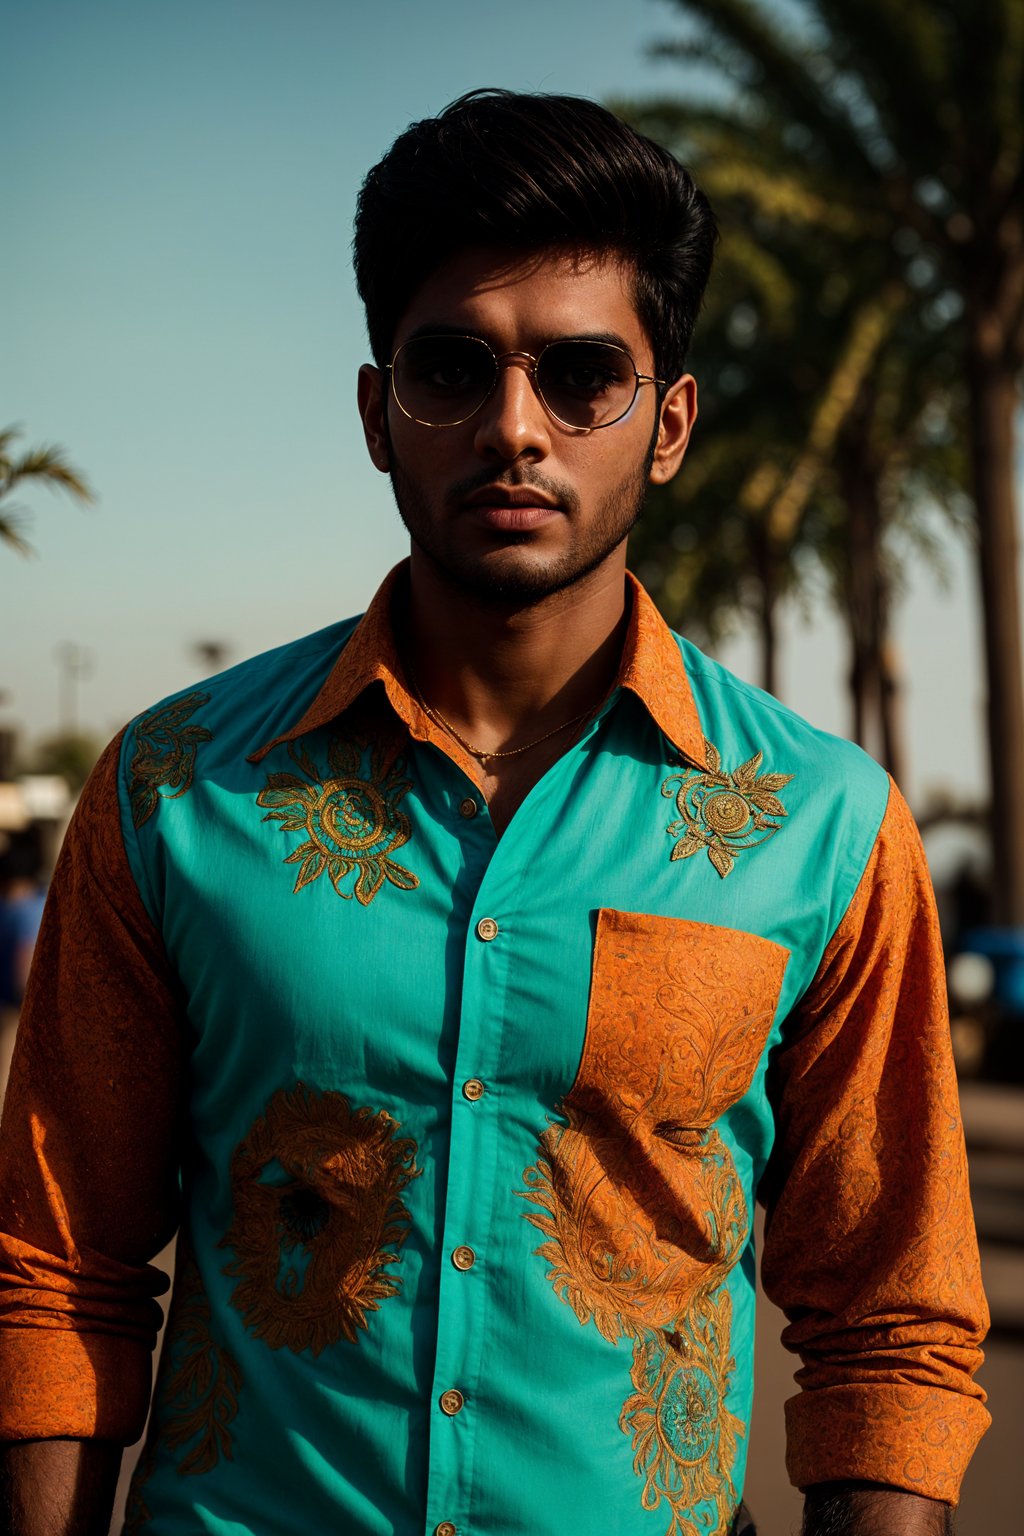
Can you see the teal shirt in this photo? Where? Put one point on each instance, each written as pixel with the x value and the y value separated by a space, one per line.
pixel 475 1124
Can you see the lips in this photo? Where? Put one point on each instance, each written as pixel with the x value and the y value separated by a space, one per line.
pixel 510 510
pixel 506 496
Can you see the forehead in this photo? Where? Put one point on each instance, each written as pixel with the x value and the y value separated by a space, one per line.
pixel 523 301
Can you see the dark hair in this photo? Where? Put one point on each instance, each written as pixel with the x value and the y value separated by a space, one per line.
pixel 528 173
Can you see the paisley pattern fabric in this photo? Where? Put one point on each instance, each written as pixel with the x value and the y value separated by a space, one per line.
pixel 869 1050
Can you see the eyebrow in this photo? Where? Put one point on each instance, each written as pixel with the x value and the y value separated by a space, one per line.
pixel 428 329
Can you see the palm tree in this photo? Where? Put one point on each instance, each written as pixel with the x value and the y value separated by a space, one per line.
pixel 905 116
pixel 47 464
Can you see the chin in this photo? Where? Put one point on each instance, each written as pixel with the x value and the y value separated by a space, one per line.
pixel 513 577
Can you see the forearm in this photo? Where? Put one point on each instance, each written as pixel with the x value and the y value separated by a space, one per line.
pixel 865 1509
pixel 57 1487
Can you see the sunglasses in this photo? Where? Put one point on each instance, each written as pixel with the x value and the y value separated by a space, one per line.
pixel 441 381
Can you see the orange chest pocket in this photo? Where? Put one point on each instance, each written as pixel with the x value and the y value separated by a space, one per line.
pixel 678 1019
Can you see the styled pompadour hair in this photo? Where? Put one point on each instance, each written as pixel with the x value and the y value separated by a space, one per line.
pixel 524 172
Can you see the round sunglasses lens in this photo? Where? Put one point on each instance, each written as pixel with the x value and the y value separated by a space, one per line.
pixel 440 380
pixel 586 383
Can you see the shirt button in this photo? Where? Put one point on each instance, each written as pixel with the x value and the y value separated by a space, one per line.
pixel 467 808
pixel 473 1089
pixel 446 1528
pixel 487 929
pixel 452 1402
pixel 463 1258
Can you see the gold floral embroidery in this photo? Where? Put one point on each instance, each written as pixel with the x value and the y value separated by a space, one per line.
pixel 351 819
pixel 642 1211
pixel 684 1436
pixel 317 1218
pixel 633 1265
pixel 724 813
pixel 165 754
pixel 196 1395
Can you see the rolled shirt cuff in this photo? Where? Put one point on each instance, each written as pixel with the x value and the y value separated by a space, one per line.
pixel 59 1383
pixel 916 1438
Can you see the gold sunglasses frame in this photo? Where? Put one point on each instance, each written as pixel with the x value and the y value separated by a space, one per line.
pixel 531 364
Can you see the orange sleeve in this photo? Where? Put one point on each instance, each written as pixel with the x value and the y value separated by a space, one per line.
pixel 89 1147
pixel 870 1247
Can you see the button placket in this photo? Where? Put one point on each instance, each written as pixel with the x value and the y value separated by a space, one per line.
pixel 463 1299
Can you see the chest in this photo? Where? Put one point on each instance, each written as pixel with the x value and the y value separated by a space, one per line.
pixel 345 918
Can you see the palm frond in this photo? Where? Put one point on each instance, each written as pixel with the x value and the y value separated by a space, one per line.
pixel 7 436
pixel 868 330
pixel 12 520
pixel 898 57
pixel 789 74
pixel 49 464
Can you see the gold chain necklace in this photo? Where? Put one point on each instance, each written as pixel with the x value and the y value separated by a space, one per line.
pixel 477 752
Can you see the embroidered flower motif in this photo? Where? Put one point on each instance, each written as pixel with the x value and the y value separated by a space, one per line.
pixel 165 754
pixel 317 1218
pixel 724 813
pixel 196 1395
pixel 684 1436
pixel 351 819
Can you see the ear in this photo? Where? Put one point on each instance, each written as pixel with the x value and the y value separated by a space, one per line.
pixel 678 414
pixel 371 393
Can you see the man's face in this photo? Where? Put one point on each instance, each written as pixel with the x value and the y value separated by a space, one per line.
pixel 511 505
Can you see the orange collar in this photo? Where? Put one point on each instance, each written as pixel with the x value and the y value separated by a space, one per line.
pixel 651 668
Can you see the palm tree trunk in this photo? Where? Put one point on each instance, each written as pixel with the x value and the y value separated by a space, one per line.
pixel 890 707
pixel 993 403
pixel 767 610
pixel 876 717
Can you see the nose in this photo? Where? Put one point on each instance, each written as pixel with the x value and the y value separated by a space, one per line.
pixel 512 423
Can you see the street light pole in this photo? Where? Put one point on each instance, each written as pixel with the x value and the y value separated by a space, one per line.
pixel 73 662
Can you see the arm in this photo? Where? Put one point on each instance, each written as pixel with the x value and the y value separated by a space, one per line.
pixel 88 1180
pixel 864 1509
pixel 869 1238
pixel 57 1487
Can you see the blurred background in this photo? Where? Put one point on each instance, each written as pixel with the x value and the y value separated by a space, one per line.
pixel 183 481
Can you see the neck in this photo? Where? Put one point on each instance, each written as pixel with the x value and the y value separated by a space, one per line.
pixel 502 673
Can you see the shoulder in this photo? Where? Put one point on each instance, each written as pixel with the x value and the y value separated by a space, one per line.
pixel 210 727
pixel 835 794
pixel 255 694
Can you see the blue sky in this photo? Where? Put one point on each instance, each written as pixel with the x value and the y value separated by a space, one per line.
pixel 181 315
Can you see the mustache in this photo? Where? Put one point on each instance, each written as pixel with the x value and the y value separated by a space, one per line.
pixel 515 480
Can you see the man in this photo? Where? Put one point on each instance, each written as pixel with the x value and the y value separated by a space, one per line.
pixel 475 963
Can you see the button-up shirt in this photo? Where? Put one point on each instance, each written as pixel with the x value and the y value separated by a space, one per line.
pixel 463 1133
